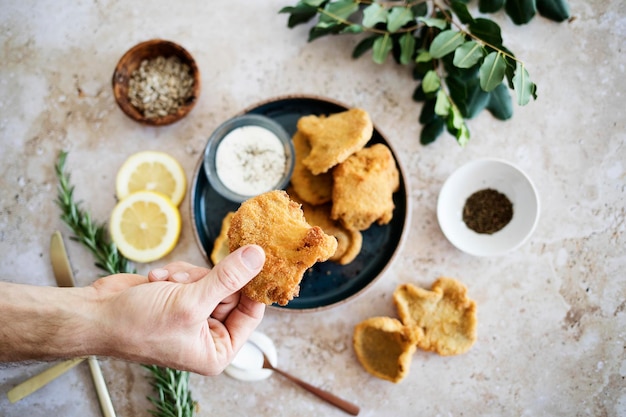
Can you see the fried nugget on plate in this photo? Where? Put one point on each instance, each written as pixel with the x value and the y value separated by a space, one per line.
pixel 363 188
pixel 444 318
pixel 349 241
pixel 220 246
pixel 277 224
pixel 384 346
pixel 313 189
pixel 334 138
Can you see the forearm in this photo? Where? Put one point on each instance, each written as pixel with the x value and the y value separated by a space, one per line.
pixel 46 322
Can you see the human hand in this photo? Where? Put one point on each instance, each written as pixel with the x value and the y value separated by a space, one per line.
pixel 196 320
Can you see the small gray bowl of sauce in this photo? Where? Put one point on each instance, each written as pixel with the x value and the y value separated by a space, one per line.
pixel 248 155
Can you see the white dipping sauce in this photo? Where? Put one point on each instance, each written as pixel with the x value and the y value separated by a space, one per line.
pixel 250 160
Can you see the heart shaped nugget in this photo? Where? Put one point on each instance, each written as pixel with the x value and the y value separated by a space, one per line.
pixel 385 347
pixel 443 318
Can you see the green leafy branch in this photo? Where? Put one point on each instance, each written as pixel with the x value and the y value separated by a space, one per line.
pixel 172 386
pixel 459 61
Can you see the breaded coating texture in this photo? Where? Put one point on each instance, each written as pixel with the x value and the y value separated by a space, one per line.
pixel 277 224
pixel 444 318
pixel 349 241
pixel 334 138
pixel 363 188
pixel 220 246
pixel 384 346
pixel 312 189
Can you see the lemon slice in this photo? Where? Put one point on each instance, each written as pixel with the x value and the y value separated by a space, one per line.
pixel 145 226
pixel 152 171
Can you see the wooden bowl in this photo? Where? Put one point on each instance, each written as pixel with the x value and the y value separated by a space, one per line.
pixel 132 60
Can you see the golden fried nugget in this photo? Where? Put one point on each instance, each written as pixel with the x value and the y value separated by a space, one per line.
pixel 220 246
pixel 363 188
pixel 291 245
pixel 349 241
pixel 384 346
pixel 334 138
pixel 313 189
pixel 444 318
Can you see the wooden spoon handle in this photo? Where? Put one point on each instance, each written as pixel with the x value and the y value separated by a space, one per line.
pixel 344 405
pixel 101 388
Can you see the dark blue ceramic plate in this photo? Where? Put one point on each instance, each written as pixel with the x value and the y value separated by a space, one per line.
pixel 327 283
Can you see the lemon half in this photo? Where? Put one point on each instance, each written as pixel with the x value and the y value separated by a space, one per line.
pixel 152 171
pixel 145 226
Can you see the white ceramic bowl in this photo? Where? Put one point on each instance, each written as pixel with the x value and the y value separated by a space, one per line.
pixel 478 175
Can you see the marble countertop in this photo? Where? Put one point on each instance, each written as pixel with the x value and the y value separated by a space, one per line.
pixel 551 314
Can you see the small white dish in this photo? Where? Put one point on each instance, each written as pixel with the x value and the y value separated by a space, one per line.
pixel 222 134
pixel 248 363
pixel 478 175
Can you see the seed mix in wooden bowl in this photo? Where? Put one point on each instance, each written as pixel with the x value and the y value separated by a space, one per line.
pixel 160 86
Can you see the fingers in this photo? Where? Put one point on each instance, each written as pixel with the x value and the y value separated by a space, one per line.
pixel 118 282
pixel 181 272
pixel 235 329
pixel 229 276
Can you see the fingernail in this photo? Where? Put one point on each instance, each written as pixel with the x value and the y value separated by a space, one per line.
pixel 180 276
pixel 160 273
pixel 253 257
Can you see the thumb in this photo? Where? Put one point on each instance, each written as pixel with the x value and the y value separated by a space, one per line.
pixel 230 275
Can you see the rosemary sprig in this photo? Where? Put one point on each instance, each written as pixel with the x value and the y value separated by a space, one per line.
pixel 172 386
pixel 85 230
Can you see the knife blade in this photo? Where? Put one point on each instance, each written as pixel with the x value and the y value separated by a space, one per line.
pixel 65 278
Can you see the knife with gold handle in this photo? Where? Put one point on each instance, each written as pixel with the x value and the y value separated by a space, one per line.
pixel 65 278
pixel 33 384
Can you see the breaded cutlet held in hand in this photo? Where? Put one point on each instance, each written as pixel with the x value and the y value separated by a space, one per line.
pixel 277 224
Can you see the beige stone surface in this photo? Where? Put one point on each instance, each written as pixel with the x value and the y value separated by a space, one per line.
pixel 551 315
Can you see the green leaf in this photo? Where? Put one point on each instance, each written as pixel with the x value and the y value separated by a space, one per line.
pixel 431 82
pixel 431 131
pixel 477 100
pixel 423 56
pixel 446 42
pixel 468 54
pixel 364 46
pixel 323 29
pixel 460 9
pixel 301 13
pixel 420 9
pixel 557 10
pixel 353 29
pixel 490 6
pixel 381 48
pixel 524 88
pixel 500 104
pixel 487 31
pixel 398 17
pixel 433 22
pixel 407 48
pixel 374 14
pixel 455 119
pixel 420 69
pixel 427 114
pixel 463 135
pixel 492 71
pixel 442 105
pixel 457 89
pixel 314 3
pixel 341 9
pixel 520 11
pixel 419 94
